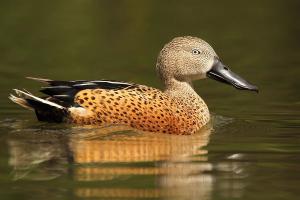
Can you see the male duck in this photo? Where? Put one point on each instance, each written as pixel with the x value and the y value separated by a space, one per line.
pixel 176 110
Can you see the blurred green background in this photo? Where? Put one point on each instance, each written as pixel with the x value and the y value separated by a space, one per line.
pixel 120 40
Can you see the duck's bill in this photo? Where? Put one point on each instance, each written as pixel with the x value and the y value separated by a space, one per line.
pixel 223 74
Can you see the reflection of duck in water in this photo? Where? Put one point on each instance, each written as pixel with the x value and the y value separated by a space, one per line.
pixel 174 163
pixel 93 146
pixel 38 156
pixel 176 175
pixel 177 110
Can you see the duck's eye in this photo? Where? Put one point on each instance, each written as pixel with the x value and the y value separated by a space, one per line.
pixel 196 51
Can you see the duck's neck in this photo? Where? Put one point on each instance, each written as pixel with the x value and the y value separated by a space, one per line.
pixel 184 92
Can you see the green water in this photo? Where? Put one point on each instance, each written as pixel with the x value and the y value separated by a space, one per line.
pixel 253 151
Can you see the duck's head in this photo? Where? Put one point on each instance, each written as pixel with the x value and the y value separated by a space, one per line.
pixel 190 58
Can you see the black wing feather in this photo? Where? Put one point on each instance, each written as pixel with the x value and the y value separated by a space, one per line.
pixel 53 90
pixel 65 91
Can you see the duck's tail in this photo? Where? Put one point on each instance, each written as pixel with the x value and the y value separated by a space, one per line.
pixel 45 110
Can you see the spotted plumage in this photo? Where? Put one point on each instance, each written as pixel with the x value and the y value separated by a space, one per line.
pixel 176 110
pixel 140 107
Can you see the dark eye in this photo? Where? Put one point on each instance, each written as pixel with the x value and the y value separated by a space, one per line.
pixel 196 51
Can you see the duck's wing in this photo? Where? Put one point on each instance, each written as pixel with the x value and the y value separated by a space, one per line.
pixel 63 92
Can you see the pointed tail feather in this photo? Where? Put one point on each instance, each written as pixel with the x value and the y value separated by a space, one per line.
pixel 20 101
pixel 27 95
pixel 45 110
pixel 43 80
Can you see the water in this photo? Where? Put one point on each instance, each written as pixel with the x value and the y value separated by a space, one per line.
pixel 250 150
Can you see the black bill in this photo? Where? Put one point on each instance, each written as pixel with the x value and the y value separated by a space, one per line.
pixel 222 73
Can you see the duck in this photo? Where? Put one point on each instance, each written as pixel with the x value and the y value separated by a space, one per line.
pixel 177 109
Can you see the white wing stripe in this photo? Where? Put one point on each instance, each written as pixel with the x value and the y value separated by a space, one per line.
pixel 22 93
